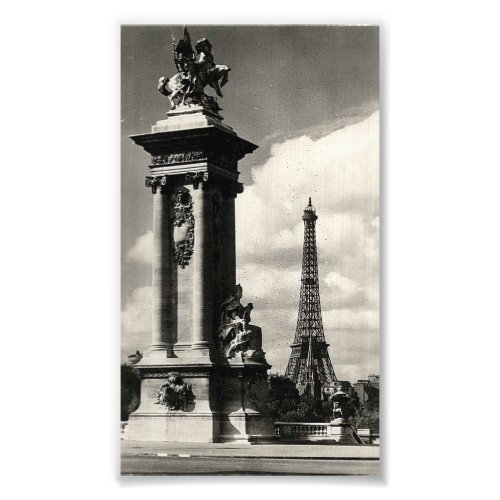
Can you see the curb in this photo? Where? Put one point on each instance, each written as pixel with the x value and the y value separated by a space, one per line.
pixel 263 457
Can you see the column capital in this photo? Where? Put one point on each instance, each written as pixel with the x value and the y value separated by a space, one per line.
pixel 155 182
pixel 205 179
pixel 197 178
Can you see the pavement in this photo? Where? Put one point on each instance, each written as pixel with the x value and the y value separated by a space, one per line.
pixel 304 451
pixel 150 465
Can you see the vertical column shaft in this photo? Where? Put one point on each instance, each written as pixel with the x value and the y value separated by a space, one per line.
pixel 230 243
pixel 202 269
pixel 163 279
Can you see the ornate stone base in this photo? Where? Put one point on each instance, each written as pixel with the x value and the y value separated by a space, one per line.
pixel 207 403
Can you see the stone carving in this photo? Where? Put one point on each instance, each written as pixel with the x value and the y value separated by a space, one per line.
pixel 159 374
pixel 155 182
pixel 183 157
pixel 236 333
pixel 133 359
pixel 195 178
pixel 183 228
pixel 340 403
pixel 196 71
pixel 175 395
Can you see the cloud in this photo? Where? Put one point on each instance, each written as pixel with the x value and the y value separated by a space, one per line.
pixel 136 320
pixel 339 171
pixel 141 251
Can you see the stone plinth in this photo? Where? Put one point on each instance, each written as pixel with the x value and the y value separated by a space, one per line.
pixel 342 432
pixel 227 405
pixel 242 403
pixel 194 183
pixel 196 422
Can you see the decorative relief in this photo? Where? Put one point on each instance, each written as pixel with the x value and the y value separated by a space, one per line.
pixel 175 395
pixel 154 183
pixel 156 374
pixel 183 228
pixel 196 178
pixel 183 157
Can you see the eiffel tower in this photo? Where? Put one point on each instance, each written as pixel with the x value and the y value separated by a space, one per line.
pixel 310 366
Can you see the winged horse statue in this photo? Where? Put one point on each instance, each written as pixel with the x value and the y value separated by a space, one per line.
pixel 196 70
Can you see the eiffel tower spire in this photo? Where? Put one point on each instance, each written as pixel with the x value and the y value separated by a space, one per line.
pixel 309 361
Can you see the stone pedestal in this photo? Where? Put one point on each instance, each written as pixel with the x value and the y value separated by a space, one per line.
pixel 194 183
pixel 342 432
pixel 227 406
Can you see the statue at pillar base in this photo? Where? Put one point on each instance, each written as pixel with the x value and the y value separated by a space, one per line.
pixel 236 333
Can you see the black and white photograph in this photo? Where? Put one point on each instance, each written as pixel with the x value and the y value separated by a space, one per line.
pixel 250 250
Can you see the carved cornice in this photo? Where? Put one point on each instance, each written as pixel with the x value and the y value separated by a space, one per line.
pixel 164 371
pixel 145 374
pixel 159 181
pixel 223 160
pixel 212 141
pixel 216 370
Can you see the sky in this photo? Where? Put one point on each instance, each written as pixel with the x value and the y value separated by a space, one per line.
pixel 308 96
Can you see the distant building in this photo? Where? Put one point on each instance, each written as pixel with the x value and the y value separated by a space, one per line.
pixel 343 385
pixel 374 380
pixel 368 391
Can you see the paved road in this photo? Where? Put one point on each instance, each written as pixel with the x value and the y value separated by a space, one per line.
pixel 157 466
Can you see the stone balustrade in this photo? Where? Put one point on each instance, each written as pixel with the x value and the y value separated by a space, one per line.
pixel 307 431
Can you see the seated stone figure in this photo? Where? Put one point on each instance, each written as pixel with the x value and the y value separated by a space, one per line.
pixel 236 332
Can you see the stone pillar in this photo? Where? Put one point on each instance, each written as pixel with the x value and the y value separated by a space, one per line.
pixel 202 333
pixel 164 276
pixel 194 177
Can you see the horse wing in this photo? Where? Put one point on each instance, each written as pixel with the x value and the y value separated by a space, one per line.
pixel 215 85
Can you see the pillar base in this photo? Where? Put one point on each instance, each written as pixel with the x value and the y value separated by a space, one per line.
pixel 181 427
pixel 227 405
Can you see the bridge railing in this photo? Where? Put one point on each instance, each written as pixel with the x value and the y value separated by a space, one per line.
pixel 292 429
pixel 339 432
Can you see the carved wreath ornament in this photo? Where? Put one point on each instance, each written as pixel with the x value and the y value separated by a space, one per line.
pixel 183 228
pixel 175 394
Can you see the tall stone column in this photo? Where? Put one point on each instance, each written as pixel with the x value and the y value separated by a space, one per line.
pixel 194 178
pixel 163 306
pixel 202 333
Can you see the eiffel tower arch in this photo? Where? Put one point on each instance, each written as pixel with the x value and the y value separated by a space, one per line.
pixel 310 366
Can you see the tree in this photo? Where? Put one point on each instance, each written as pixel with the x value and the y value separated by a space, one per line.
pixel 285 404
pixel 130 391
pixel 364 418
